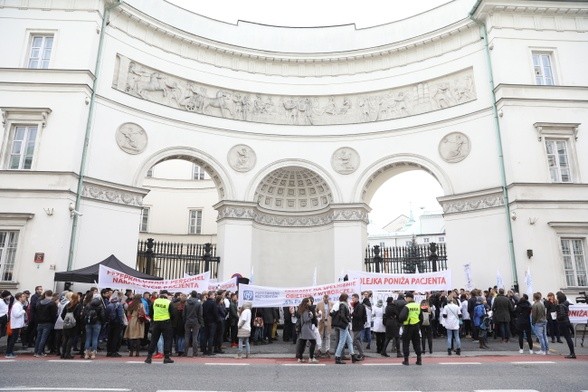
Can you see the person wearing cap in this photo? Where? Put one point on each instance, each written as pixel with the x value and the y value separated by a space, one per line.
pixel 411 318
pixel 162 315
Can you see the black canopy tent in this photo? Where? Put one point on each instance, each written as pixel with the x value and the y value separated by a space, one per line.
pixel 90 274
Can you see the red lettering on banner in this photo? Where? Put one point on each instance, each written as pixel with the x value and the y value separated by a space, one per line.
pixel 578 313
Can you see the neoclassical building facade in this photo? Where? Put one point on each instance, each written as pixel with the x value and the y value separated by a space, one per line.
pixel 297 128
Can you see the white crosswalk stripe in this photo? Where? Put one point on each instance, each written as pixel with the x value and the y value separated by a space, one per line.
pixel 460 363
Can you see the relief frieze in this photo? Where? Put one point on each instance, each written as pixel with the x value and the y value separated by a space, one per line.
pixel 159 87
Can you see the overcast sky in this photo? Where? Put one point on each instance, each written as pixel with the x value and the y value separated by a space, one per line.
pixel 414 190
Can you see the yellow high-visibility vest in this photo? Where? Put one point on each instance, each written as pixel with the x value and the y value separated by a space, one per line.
pixel 413 313
pixel 161 309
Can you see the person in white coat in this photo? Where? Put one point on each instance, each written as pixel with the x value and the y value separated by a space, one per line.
pixel 379 328
pixel 244 330
pixel 451 316
pixel 17 323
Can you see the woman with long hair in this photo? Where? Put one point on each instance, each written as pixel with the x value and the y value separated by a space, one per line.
pixel 71 333
pixel 136 328
pixel 306 332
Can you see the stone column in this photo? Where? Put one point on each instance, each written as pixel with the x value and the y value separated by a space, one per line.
pixel 234 238
pixel 349 237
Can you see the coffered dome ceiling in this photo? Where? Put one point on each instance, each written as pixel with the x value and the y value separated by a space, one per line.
pixel 293 189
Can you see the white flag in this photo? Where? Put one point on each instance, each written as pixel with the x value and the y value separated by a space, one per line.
pixel 314 277
pixel 467 268
pixel 499 281
pixel 529 282
pixel 251 276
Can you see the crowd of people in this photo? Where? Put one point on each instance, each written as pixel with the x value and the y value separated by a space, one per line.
pixel 162 323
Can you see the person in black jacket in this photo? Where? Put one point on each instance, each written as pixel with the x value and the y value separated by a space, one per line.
pixel 69 334
pixel 193 322
pixel 210 318
pixel 46 315
pixel 358 320
pixel 341 318
pixel 523 322
pixel 563 321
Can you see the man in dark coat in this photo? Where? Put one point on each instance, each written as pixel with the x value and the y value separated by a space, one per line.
pixel 358 320
pixel 210 318
pixel 502 308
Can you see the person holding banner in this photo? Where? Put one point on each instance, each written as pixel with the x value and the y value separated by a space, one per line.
pixel 244 330
pixel 162 315
pixel 563 321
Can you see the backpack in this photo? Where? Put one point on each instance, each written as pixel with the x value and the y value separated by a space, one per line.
pixel 69 321
pixel 426 319
pixel 479 313
pixel 485 324
pixel 112 314
pixel 90 315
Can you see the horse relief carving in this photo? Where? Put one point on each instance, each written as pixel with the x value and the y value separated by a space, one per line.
pixel 156 86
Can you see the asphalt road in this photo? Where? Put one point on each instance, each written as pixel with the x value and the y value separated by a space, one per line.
pixel 513 373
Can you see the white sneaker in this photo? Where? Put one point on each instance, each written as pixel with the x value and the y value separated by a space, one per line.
pixel 313 360
pixel 521 351
pixel 540 352
pixel 530 351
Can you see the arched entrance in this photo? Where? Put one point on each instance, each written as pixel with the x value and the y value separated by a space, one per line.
pixel 406 233
pixel 177 231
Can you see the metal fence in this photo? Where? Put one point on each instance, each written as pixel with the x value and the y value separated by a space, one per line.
pixel 170 260
pixel 406 259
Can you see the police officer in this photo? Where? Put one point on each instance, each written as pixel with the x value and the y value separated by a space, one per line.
pixel 411 318
pixel 162 315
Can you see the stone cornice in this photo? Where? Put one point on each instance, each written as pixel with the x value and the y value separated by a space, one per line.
pixel 466 202
pixel 113 193
pixel 534 15
pixel 251 212
pixel 154 33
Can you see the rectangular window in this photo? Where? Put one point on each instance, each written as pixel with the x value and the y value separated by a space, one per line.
pixel 195 224
pixel 542 66
pixel 144 220
pixel 558 160
pixel 8 244
pixel 574 261
pixel 22 146
pixel 198 173
pixel 441 239
pixel 426 240
pixel 150 173
pixel 40 53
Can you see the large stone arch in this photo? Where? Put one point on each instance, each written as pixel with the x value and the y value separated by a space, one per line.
pixel 380 171
pixel 216 171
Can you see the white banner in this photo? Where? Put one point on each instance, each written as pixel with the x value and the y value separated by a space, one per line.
pixel 430 281
pixel 214 285
pixel 108 277
pixel 578 314
pixel 269 297
pixel 227 285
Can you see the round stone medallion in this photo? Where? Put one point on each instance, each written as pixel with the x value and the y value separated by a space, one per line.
pixel 454 147
pixel 131 138
pixel 345 160
pixel 242 158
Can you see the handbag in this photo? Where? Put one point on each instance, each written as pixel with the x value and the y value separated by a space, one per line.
pixel 258 322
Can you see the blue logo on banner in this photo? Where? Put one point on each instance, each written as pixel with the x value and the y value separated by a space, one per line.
pixel 248 295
